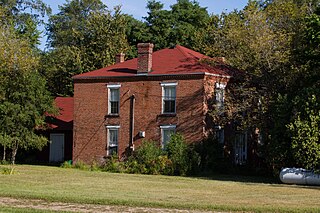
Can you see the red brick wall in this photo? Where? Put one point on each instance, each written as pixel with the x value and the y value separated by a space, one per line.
pixel 91 106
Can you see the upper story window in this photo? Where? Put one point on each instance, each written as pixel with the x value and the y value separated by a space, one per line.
pixel 166 132
pixel 219 95
pixel 169 98
pixel 113 99
pixel 113 139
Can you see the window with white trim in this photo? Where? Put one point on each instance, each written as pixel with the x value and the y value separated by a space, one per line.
pixel 219 95
pixel 166 132
pixel 113 140
pixel 113 99
pixel 169 98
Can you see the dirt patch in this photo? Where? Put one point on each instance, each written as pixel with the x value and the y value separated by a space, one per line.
pixel 75 207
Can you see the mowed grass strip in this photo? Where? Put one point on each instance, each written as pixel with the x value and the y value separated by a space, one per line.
pixel 76 186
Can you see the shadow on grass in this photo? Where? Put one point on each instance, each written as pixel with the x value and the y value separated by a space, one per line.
pixel 239 178
pixel 253 180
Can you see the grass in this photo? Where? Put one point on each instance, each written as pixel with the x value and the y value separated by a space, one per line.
pixel 24 210
pixel 71 185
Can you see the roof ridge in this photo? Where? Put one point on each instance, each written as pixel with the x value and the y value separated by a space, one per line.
pixel 179 47
pixel 191 52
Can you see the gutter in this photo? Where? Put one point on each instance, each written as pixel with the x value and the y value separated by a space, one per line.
pixel 148 76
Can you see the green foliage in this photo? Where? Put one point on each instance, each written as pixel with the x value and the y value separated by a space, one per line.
pixel 66 165
pixel 166 28
pixel 82 37
pixel 81 165
pixel 113 164
pixel 212 157
pixel 177 151
pixel 24 16
pixel 305 133
pixel 147 159
pixel 24 99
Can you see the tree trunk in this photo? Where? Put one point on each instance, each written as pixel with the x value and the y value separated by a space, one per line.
pixel 14 153
pixel 4 153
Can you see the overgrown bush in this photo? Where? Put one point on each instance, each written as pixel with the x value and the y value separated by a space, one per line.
pixel 113 164
pixel 179 153
pixel 66 164
pixel 212 156
pixel 147 159
pixel 81 165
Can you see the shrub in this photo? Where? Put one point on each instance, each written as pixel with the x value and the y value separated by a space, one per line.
pixel 113 164
pixel 177 150
pixel 212 158
pixel 81 165
pixel 66 164
pixel 147 159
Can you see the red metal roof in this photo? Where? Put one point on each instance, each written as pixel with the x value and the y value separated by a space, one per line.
pixel 64 120
pixel 169 61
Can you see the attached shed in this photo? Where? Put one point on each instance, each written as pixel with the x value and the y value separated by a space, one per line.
pixel 59 133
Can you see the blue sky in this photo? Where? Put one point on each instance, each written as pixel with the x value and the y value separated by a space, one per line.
pixel 137 8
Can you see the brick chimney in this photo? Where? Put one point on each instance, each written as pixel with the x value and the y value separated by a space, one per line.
pixel 144 58
pixel 120 58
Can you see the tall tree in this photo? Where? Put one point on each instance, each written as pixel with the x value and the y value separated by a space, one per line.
pixel 176 26
pixel 24 99
pixel 24 16
pixel 82 37
pixel 263 40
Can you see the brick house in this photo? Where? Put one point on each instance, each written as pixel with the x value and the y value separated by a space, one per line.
pixel 146 98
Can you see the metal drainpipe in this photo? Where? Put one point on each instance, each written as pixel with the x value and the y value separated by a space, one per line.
pixel 132 101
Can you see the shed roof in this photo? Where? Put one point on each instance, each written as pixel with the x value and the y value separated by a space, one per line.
pixel 64 120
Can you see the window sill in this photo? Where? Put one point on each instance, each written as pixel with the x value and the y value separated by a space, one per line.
pixel 112 116
pixel 168 115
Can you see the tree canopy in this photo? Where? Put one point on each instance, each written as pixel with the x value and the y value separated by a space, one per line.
pixel 24 99
pixel 82 37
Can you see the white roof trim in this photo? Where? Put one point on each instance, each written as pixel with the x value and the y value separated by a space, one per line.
pixel 217 75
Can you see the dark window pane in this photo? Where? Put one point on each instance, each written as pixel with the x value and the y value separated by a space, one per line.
pixel 114 107
pixel 169 106
pixel 113 150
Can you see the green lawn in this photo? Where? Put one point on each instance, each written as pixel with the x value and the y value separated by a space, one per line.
pixel 71 185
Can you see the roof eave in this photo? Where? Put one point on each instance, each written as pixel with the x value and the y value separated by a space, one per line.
pixel 146 75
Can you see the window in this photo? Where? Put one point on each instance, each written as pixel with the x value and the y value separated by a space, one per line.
pixel 240 148
pixel 219 134
pixel 113 138
pixel 219 95
pixel 169 98
pixel 114 99
pixel 166 132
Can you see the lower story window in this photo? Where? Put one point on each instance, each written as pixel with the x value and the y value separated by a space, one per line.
pixel 240 148
pixel 166 132
pixel 113 139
